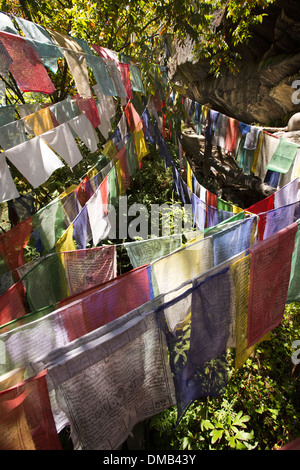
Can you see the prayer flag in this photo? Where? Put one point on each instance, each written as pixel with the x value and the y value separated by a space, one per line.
pixel 61 140
pixel 269 282
pixel 41 41
pixel 35 160
pixel 27 68
pixel 26 419
pixel 8 189
pixel 76 61
pixel 283 156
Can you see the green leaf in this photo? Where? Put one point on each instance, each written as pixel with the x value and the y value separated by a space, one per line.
pixel 216 435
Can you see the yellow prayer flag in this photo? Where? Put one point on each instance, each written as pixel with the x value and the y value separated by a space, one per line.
pixel 66 242
pixel 110 150
pixel 236 209
pixel 241 277
pixel 256 153
pixel 297 171
pixel 68 191
pixel 40 121
pixel 120 179
pixel 140 144
pixel 189 176
pixel 204 110
pixel 92 172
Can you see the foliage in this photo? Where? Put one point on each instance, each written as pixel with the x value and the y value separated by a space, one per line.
pixel 141 29
pixel 260 409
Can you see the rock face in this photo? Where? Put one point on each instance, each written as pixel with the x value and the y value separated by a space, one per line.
pixel 261 92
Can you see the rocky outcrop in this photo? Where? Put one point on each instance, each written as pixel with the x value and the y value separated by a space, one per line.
pixel 261 92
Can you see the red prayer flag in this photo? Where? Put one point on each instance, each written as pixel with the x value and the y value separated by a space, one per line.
pixel 231 134
pixel 125 74
pixel 269 282
pixel 12 303
pixel 260 208
pixel 26 419
pixel 27 67
pixel 89 107
pixel 13 242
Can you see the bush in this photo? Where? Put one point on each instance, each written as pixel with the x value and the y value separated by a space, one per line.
pixel 260 409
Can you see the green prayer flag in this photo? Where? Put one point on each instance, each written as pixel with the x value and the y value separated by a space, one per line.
pixel 283 157
pixel 294 285
pixel 224 224
pixel 132 159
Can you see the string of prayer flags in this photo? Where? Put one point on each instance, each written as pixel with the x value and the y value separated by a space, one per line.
pixel 35 160
pixel 134 288
pixel 269 282
pixel 8 188
pixel 283 156
pixel 144 378
pixel 26 419
pixel 42 42
pixel 27 68
pixel 73 317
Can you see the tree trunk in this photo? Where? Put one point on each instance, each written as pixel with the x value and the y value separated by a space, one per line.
pixel 207 161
